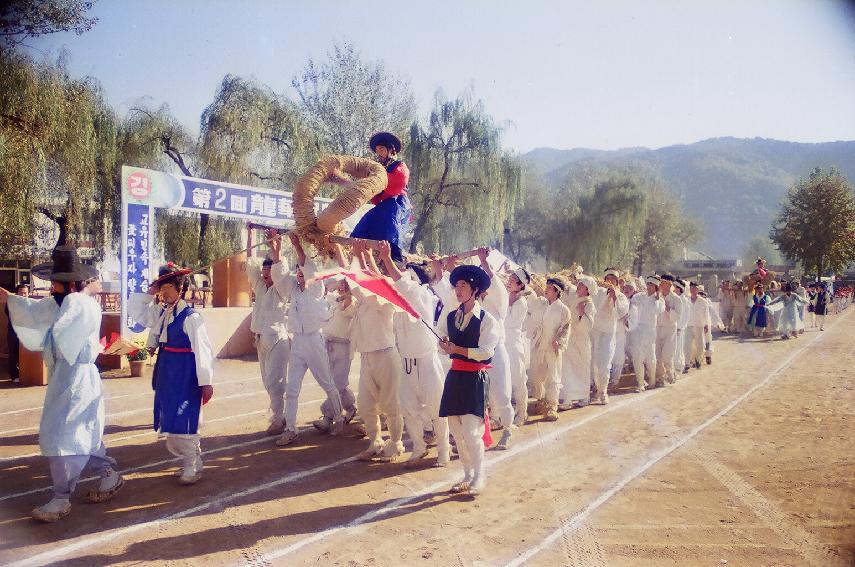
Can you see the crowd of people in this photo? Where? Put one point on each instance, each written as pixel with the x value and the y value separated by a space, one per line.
pixel 470 349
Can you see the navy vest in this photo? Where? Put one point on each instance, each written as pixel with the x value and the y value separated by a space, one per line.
pixel 468 337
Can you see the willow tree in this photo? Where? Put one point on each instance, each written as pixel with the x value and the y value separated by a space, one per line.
pixel 464 187
pixel 57 152
pixel 23 19
pixel 346 98
pixel 666 230
pixel 599 227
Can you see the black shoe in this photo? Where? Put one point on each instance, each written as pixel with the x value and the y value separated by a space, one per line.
pixel 709 360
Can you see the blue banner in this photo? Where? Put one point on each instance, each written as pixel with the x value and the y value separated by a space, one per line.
pixel 136 269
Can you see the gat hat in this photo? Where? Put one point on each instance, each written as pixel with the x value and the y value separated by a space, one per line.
pixel 473 275
pixel 612 272
pixel 654 279
pixel 65 266
pixel 680 284
pixel 385 139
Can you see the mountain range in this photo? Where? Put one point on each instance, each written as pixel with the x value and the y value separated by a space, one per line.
pixel 733 186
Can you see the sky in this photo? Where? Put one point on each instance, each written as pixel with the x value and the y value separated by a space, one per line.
pixel 597 74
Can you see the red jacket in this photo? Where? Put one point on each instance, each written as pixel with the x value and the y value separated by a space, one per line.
pixel 397 184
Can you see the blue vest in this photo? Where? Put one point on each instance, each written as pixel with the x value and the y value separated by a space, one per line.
pixel 468 337
pixel 177 395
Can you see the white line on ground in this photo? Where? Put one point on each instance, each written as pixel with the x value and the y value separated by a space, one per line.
pixel 142 410
pixel 140 394
pixel 85 542
pixel 575 521
pixel 152 434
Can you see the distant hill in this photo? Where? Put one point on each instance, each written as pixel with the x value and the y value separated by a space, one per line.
pixel 733 185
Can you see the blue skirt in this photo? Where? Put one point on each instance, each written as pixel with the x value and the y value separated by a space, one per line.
pixel 464 393
pixel 386 221
pixel 177 394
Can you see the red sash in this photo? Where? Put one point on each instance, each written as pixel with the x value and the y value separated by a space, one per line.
pixel 176 349
pixel 471 366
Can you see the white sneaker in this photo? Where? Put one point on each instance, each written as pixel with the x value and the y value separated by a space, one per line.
pixel 288 437
pixel 54 510
pixel 416 460
pixel 189 476
pixel 393 452
pixel 519 420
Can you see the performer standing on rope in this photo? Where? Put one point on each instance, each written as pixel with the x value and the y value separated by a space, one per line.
pixel 183 375
pixel 470 335
pixel 392 208
pixel 269 324
pixel 65 328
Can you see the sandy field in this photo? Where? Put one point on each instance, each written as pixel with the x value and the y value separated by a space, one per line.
pixel 750 461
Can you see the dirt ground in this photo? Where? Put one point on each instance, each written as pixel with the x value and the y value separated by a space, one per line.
pixel 750 461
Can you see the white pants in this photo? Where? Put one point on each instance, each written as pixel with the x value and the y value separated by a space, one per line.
pixel 420 393
pixel 545 376
pixel 619 357
pixel 696 344
pixel 500 387
pixel 468 431
pixel 273 354
pixel 708 346
pixel 727 317
pixel 338 352
pixel 643 352
pixel 517 364
pixel 681 349
pixel 666 343
pixel 576 370
pixel 379 381
pixel 603 345
pixel 65 470
pixel 187 447
pixel 308 352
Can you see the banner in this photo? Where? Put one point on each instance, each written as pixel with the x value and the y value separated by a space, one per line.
pixel 144 190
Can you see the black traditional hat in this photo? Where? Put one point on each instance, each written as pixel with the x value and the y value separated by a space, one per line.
pixel 65 266
pixel 385 139
pixel 473 275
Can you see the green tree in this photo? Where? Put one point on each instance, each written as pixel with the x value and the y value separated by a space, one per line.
pixel 666 230
pixel 23 19
pixel 816 225
pixel 346 99
pixel 460 176
pixel 57 154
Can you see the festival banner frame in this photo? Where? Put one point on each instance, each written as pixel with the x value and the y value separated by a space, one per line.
pixel 144 190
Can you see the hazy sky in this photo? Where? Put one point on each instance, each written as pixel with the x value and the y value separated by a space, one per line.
pixel 562 74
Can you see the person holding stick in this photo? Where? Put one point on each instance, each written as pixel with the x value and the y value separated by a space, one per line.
pixel 422 378
pixel 269 325
pixel 470 335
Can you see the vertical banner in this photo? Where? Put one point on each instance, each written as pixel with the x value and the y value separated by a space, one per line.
pixel 136 252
